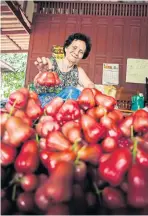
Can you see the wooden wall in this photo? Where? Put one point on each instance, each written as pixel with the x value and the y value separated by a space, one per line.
pixel 114 39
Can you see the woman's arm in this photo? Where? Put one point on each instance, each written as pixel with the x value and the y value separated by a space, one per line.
pixel 84 79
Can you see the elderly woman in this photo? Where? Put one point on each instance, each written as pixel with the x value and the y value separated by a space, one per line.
pixel 76 47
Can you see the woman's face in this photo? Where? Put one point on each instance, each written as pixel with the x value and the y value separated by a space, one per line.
pixel 75 51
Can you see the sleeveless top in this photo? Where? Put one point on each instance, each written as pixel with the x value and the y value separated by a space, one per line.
pixel 69 78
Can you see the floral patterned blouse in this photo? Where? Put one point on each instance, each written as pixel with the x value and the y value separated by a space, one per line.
pixel 69 78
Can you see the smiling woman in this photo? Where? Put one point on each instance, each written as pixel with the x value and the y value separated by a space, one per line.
pixel 76 47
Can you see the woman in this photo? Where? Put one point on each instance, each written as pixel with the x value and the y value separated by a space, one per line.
pixel 76 47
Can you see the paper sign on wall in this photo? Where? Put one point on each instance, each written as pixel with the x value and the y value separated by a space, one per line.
pixel 110 74
pixel 137 70
pixel 57 51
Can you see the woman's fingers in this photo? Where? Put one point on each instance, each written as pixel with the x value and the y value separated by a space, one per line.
pixel 36 62
pixel 44 60
pixel 39 60
pixel 43 64
pixel 47 63
pixel 39 63
pixel 39 66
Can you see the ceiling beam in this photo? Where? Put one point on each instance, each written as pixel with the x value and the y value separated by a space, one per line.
pixel 9 31
pixel 12 32
pixel 14 51
pixel 14 42
pixel 19 14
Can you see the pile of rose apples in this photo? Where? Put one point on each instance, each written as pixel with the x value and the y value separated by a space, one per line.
pixel 72 157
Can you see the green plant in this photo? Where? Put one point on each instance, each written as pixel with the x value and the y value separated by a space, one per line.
pixel 11 81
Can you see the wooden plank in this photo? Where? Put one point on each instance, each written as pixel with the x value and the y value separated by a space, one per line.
pixel 13 32
pixel 14 51
pixel 10 45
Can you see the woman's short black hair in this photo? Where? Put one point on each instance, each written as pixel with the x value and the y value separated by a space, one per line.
pixel 82 37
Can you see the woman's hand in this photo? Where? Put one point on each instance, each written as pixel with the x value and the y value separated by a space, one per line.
pixel 43 64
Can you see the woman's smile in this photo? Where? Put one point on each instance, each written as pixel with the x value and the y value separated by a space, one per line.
pixel 75 50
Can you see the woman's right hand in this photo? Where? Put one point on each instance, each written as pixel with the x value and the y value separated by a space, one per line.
pixel 43 64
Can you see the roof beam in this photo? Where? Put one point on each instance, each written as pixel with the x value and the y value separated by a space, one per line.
pixel 19 14
pixel 14 42
pixel 14 51
pixel 12 32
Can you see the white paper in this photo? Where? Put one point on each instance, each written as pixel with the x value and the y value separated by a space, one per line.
pixel 110 74
pixel 137 70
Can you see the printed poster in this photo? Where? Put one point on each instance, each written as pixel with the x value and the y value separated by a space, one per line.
pixel 110 74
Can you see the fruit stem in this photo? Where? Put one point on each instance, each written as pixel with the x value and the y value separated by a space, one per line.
pixel 74 146
pixel 134 150
pixel 14 191
pixel 98 192
pixel 132 132
pixel 76 160
pixel 37 138
pixel 78 155
pixel 12 108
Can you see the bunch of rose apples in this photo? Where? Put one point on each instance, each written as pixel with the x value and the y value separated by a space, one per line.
pixel 47 78
pixel 72 157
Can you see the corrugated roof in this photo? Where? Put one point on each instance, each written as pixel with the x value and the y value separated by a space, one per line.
pixel 15 28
